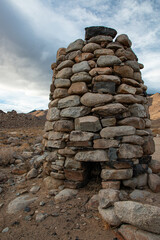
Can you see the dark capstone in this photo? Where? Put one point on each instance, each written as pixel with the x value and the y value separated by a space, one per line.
pixel 112 154
pixel 99 30
pixel 104 87
pixel 145 159
pixel 138 169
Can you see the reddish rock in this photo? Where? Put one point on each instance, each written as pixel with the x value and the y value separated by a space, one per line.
pixel 124 71
pixel 124 40
pixel 75 175
pixel 100 71
pixel 78 88
pixel 83 56
pixel 124 88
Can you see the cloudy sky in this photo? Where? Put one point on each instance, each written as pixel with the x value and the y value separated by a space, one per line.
pixel 31 32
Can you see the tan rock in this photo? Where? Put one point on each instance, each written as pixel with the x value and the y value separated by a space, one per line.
pixel 111 184
pixel 88 123
pixel 53 114
pixel 131 82
pixel 83 56
pixel 124 88
pixel 108 122
pixel 136 122
pixel 55 144
pixel 100 52
pixel 78 88
pixel 53 103
pixel 81 77
pixel 109 216
pixel 75 175
pixel 130 151
pixel 114 174
pixel 70 163
pixel 49 126
pixel 100 71
pixel 125 98
pixel 107 78
pixel 81 136
pixel 66 151
pixel 154 182
pixel 92 99
pixel 110 132
pixel 52 135
pixel 90 47
pixel 124 71
pixel 110 109
pixel 92 156
pixel 104 143
pixel 107 197
pixel 61 51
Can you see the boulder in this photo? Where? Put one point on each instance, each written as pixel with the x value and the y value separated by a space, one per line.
pixel 62 83
pixel 91 47
pixel 99 30
pixel 81 77
pixel 65 73
pixel 60 93
pixel 52 183
pixel 53 114
pixel 124 71
pixel 64 126
pixel 64 64
pixel 76 45
pixel 124 40
pixel 138 110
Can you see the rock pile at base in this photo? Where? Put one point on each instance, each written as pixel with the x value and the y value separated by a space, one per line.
pixel 98 112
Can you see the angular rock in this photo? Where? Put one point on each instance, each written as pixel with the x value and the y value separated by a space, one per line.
pixel 138 110
pixel 154 182
pixel 155 166
pixel 83 57
pixel 92 99
pixel 124 40
pixel 110 132
pixel 124 88
pixel 99 30
pixel 107 197
pixel 81 67
pixel 104 87
pixel 81 136
pixel 66 151
pixel 32 173
pixel 78 88
pixel 114 174
pixel 20 203
pixel 65 73
pixel 52 183
pixel 75 112
pixel 130 151
pixel 108 61
pixel 132 233
pixel 100 52
pixel 81 77
pixel 105 143
pixel 64 126
pixel 76 45
pixel 133 139
pixel 111 184
pixel 124 71
pixel 69 101
pixel 92 156
pixel 35 189
pixel 107 78
pixel 143 216
pixel 75 175
pixel 53 114
pixel 65 195
pixel 100 71
pixel 125 98
pixel 55 144
pixel 88 123
pixel 110 109
pixel 60 93
pixel 70 163
pixel 109 216
pixel 62 83
pixel 93 202
pixel 64 64
pixel 149 145
pixel 107 122
pixel 136 122
pixel 91 47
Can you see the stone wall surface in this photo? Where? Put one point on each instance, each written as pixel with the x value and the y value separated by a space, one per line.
pixel 98 112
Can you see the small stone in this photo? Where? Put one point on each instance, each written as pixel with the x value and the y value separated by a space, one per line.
pixel 42 203
pixel 114 174
pixel 65 195
pixel 92 156
pixel 139 195
pixel 41 216
pixel 93 203
pixel 28 218
pixel 108 61
pixel 100 71
pixel 62 83
pixel 32 173
pixel 5 230
pixel 124 71
pixel 81 67
pixel 27 209
pixel 78 88
pixel 92 99
pixel 107 197
pixel 81 77
pixel 124 88
pixel 91 47
pixel 110 132
pixel 69 101
pixel 124 40
pixel 88 123
pixel 76 45
pixel 65 73
pixel 134 139
pixel 35 189
pixel 154 182
pixel 51 183
pixel 109 216
pixel 75 112
pixel 53 114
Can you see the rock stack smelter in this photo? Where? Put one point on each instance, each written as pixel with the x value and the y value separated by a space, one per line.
pixel 98 113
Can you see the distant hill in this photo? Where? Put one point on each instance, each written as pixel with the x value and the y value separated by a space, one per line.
pixel 38 113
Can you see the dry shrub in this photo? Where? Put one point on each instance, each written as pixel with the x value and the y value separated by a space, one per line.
pixel 7 155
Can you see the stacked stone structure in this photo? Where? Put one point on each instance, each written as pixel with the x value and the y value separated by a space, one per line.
pixel 98 114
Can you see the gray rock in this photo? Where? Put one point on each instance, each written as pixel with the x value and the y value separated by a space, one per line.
pixel 107 78
pixel 92 156
pixel 143 216
pixel 107 197
pixel 53 114
pixel 51 183
pixel 65 73
pixel 81 67
pixel 116 174
pixel 69 101
pixel 139 195
pixel 81 77
pixel 75 112
pixel 109 216
pixel 108 61
pixel 91 47
pixel 110 109
pixel 125 98
pixel 108 122
pixel 104 87
pixel 92 99
pixel 88 123
pixel 100 38
pixel 70 163
pixel 138 110
pixel 110 132
pixel 62 83
pixel 76 136
pixel 65 195
pixel 154 182
pixel 33 173
pixel 64 64
pixel 76 45
pixel 134 139
pixel 130 151
pixel 35 189
pixel 5 230
pixel 20 203
pixel 41 216
pixel 133 64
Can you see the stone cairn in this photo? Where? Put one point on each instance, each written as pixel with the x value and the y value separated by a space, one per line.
pixel 98 113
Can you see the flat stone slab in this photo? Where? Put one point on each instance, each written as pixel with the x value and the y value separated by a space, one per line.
pixel 99 30
pixel 92 156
